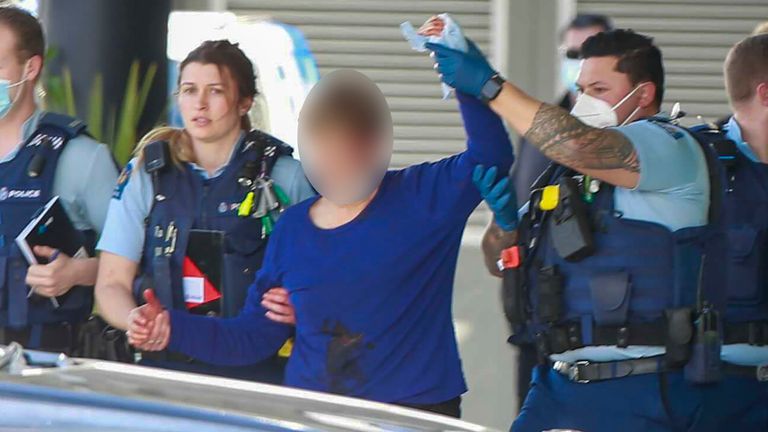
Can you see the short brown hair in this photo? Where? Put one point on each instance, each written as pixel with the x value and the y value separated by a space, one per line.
pixel 746 67
pixel 30 41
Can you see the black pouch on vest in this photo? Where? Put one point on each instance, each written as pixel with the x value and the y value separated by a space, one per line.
pixel 569 224
pixel 550 299
pixel 705 366
pixel 610 298
pixel 99 340
pixel 513 296
pixel 679 336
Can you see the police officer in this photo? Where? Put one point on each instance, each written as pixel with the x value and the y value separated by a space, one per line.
pixel 530 162
pixel 602 268
pixel 215 175
pixel 745 156
pixel 43 155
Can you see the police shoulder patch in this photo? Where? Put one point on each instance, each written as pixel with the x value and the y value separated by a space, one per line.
pixel 122 181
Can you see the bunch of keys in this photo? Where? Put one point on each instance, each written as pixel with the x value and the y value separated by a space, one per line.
pixel 260 202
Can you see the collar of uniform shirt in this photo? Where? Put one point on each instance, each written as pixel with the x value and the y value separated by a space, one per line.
pixel 733 132
pixel 26 131
pixel 200 170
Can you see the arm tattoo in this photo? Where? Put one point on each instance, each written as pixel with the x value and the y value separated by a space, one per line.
pixel 568 141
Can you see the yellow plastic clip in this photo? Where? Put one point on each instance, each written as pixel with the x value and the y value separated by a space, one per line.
pixel 549 197
pixel 244 210
pixel 286 349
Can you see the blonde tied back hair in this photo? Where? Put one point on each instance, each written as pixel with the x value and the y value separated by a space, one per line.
pixel 227 56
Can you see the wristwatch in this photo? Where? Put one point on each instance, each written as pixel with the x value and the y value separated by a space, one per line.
pixel 491 88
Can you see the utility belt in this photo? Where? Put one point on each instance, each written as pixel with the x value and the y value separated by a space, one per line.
pixel 752 333
pixel 584 372
pixel 692 342
pixel 98 340
pixel 561 338
pixel 58 337
pixel 760 373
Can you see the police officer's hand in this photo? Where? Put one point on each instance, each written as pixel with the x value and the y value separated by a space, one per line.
pixel 149 325
pixel 467 72
pixel 499 195
pixel 279 307
pixel 55 278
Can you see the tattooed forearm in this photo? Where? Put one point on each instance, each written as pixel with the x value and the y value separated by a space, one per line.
pixel 568 141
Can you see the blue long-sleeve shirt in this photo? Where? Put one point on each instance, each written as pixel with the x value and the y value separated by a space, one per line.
pixel 373 296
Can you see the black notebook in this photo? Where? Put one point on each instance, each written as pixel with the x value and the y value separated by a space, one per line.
pixel 51 227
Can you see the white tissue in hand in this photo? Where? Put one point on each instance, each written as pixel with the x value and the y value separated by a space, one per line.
pixel 452 36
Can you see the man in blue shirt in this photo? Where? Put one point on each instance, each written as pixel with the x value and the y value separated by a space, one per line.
pixel 369 265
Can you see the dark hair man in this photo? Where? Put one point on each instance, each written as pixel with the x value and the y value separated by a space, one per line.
pixel 530 161
pixel 607 243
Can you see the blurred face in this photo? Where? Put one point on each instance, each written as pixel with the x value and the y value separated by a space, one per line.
pixel 345 166
pixel 209 102
pixel 598 78
pixel 345 137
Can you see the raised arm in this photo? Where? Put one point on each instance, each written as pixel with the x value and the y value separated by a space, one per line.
pixel 605 154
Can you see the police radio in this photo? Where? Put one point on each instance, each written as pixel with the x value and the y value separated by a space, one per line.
pixel 705 365
pixel 156 157
pixel 569 224
pixel 37 164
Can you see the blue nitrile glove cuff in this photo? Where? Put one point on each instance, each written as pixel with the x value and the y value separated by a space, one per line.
pixel 467 72
pixel 499 195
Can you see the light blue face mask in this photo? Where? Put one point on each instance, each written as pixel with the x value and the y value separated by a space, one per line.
pixel 569 73
pixel 5 95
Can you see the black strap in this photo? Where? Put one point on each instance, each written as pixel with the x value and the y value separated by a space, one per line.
pixel 759 373
pixel 752 333
pixel 60 337
pixel 561 338
pixel 585 371
pixel 167 356
pixel 267 148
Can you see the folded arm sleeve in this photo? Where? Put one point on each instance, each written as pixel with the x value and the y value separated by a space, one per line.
pixel 668 158
pixel 123 232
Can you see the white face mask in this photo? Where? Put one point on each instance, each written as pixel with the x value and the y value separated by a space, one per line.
pixel 599 113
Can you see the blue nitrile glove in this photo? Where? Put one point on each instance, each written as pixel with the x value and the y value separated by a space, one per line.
pixel 466 72
pixel 500 196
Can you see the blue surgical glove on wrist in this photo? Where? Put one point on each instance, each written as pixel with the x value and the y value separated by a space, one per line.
pixel 465 71
pixel 499 195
